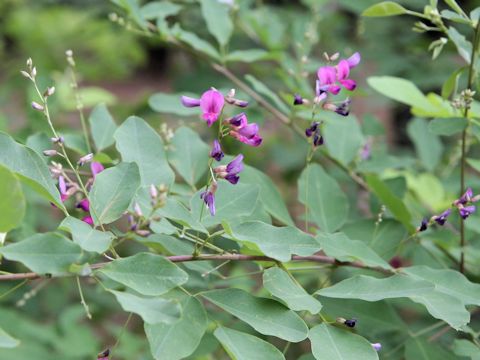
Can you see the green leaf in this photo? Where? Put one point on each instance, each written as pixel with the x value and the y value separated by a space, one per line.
pixel 159 9
pixel 146 273
pixel 464 47
pixel 171 104
pixel 447 126
pixel 12 201
pixel 440 305
pixel 113 191
pixel 189 155
pixel 428 146
pixel 401 90
pixel 138 142
pixel 75 142
pixel 331 343
pixel 39 142
pixel 47 253
pixel 266 316
pixel 449 282
pixel 279 243
pixel 270 196
pixel 450 85
pixel 390 200
pixel 153 310
pixel 326 201
pixel 195 42
pixel 347 138
pixel 386 8
pixel 466 348
pixel 241 346
pixel 102 127
pixel 281 286
pixel 217 17
pixel 84 235
pixel 230 201
pixel 383 238
pixel 474 163
pixel 30 167
pixel 419 349
pixel 176 211
pixel 454 6
pixel 7 341
pixel 265 91
pixel 180 339
pixel 342 248
pixel 248 56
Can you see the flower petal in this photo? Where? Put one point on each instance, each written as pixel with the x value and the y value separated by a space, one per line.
pixel 211 103
pixel 96 168
pixel 348 84
pixel 343 70
pixel 189 101
pixel 326 75
pixel 354 60
pixel 249 130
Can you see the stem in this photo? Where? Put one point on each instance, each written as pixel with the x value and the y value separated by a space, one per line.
pixel 120 335
pixel 224 257
pixel 471 72
pixel 82 299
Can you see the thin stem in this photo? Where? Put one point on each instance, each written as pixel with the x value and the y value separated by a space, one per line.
pixel 9 291
pixel 471 72
pixel 82 299
pixel 120 335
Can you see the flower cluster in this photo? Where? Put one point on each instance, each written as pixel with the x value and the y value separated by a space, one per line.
pixel 69 188
pixel 330 80
pixel 464 205
pixel 212 104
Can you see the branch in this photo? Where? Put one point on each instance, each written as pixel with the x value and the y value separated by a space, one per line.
pixel 223 257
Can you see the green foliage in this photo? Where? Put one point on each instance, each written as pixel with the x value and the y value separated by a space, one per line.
pixel 12 201
pixel 102 126
pixel 386 8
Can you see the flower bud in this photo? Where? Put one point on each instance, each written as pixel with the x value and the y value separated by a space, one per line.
pixel 143 233
pixel 138 210
pixel 153 191
pixel 25 74
pixel 33 73
pixel 49 91
pixel 50 152
pixel 85 159
pixel 37 106
pixel 29 63
pixel 57 140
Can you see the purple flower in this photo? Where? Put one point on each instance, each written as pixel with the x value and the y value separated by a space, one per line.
pixel 63 188
pixel 209 198
pixel 216 152
pixel 465 198
pixel 466 211
pixel 84 205
pixel 377 346
pixel 318 139
pixel 243 131
pixel 297 100
pixel 423 225
pixel 312 129
pixel 96 168
pixel 328 76
pixel 440 219
pixel 211 103
pixel 230 171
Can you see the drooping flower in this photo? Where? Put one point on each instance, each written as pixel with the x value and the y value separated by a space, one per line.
pixel 243 131
pixel 466 211
pixel 312 129
pixel 209 197
pixel 96 168
pixel 230 171
pixel 84 205
pixel 230 99
pixel 465 198
pixel 298 100
pixel 62 186
pixel 88 219
pixel 350 322
pixel 211 102
pixel 216 152
pixel 342 109
pixel 85 159
pixel 442 218
pixel 377 346
pixel 318 139
pixel 423 225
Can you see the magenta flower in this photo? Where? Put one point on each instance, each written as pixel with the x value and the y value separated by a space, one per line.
pixel 88 219
pixel 96 168
pixel 216 152
pixel 211 102
pixel 330 76
pixel 84 205
pixel 230 171
pixel 243 131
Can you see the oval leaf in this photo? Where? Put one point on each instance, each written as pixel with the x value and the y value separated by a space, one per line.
pixel 386 8
pixel 12 201
pixel 102 127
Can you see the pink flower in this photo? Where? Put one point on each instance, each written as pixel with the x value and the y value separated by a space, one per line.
pixel 84 205
pixel 63 188
pixel 88 219
pixel 96 168
pixel 243 131
pixel 211 102
pixel 328 76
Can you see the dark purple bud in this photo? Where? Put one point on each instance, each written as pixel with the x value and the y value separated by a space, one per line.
pixel 209 200
pixel 465 198
pixel 104 355
pixel 344 108
pixel 423 226
pixel 317 140
pixel 239 120
pixel 466 211
pixel 232 178
pixel 297 99
pixel 216 152
pixel 312 129
pixel 84 205
pixel 396 262
pixel 442 218
pixel 350 323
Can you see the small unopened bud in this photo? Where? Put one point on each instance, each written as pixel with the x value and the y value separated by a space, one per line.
pixel 69 53
pixel 49 91
pixel 137 209
pixel 326 57
pixel 50 152
pixel 113 16
pixel 37 106
pixel 334 56
pixel 25 74
pixel 231 93
pixel 143 233
pixel 85 159
pixel 33 73
pixel 29 63
pixel 475 198
pixel 57 140
pixel 377 346
pixel 153 191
